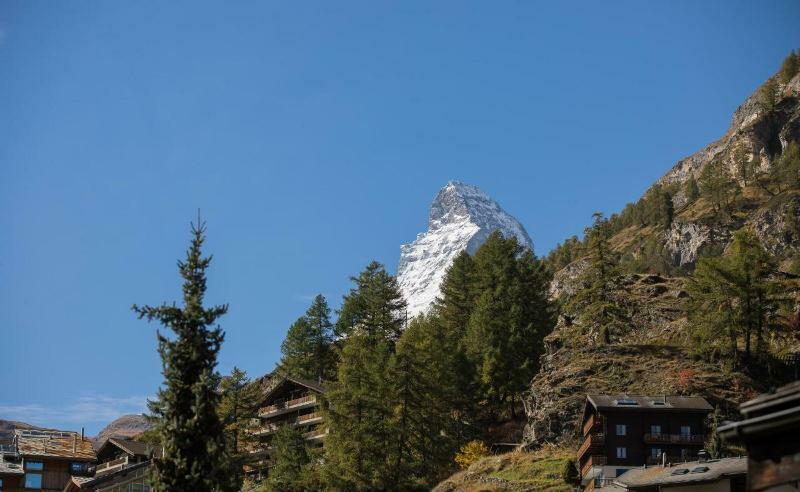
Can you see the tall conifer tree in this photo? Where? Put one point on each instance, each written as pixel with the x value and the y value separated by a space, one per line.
pixel 195 457
pixel 307 349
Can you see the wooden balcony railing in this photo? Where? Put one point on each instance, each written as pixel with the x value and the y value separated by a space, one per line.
pixel 309 416
pixel 112 465
pixel 9 450
pixel 594 423
pixel 594 460
pixel 281 405
pixel 315 434
pixel 675 438
pixel 594 439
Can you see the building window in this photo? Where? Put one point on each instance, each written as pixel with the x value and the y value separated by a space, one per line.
pixel 34 465
pixel 686 430
pixel 33 480
pixel 655 429
pixel 77 467
pixel 622 453
pixel 655 452
pixel 685 454
pixel 1 484
pixel 622 429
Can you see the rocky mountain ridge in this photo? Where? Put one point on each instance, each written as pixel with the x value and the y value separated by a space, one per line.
pixel 461 217
pixel 652 355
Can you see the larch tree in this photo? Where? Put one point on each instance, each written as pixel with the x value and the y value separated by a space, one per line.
pixel 307 350
pixel 196 455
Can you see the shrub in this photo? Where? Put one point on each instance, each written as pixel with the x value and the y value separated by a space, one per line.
pixel 470 453
pixel 685 380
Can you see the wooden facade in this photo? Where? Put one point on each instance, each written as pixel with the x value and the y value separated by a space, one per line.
pixel 45 460
pixel 619 432
pixel 771 433
pixel 291 401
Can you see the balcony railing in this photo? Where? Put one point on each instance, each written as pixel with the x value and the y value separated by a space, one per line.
pixel 110 466
pixel 9 450
pixel 656 460
pixel 315 434
pixel 272 427
pixel 594 460
pixel 674 438
pixel 282 405
pixel 594 439
pixel 594 423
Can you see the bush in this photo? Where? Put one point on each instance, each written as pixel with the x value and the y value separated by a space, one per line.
pixel 570 473
pixel 470 453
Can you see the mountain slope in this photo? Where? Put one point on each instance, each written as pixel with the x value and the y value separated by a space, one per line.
pixel 461 217
pixel 652 353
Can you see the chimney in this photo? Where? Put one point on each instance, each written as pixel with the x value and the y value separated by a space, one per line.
pixel 82 431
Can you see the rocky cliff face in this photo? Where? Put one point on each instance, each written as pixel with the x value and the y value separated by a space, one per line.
pixel 651 354
pixel 461 217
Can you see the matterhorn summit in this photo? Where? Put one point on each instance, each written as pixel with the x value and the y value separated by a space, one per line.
pixel 461 217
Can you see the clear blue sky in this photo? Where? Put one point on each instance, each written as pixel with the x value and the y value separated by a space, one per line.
pixel 313 136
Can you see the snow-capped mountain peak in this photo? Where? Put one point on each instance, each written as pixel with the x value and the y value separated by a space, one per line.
pixel 461 217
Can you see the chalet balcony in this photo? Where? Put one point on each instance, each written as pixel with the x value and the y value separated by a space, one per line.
pixel 284 406
pixel 272 427
pixel 592 440
pixel 698 439
pixel 315 434
pixel 9 450
pixel 594 424
pixel 111 466
pixel 594 460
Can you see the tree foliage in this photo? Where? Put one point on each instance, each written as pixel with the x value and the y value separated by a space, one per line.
pixel 196 455
pixel 733 299
pixel 307 350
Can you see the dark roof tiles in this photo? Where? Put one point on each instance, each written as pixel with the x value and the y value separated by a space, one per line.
pixel 661 402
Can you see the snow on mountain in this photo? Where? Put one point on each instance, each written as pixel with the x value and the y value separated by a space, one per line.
pixel 461 217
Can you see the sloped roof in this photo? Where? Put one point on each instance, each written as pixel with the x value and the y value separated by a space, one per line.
pixel 55 446
pixel 312 385
pixel 82 482
pixel 641 402
pixel 133 448
pixel 664 475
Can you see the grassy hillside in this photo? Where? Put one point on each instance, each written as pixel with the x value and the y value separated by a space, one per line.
pixel 541 470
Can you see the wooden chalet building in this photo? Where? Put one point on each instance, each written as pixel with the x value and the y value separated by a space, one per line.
pixel 620 432
pixel 290 401
pixel 44 460
pixel 123 465
pixel 771 433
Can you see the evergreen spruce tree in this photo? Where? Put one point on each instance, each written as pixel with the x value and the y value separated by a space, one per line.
pixel 363 439
pixel 358 415
pixel 185 413
pixel 307 349
pixel 786 170
pixel 426 429
pixel 374 305
pixel 453 309
pixel 238 404
pixel 509 320
pixel 290 462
